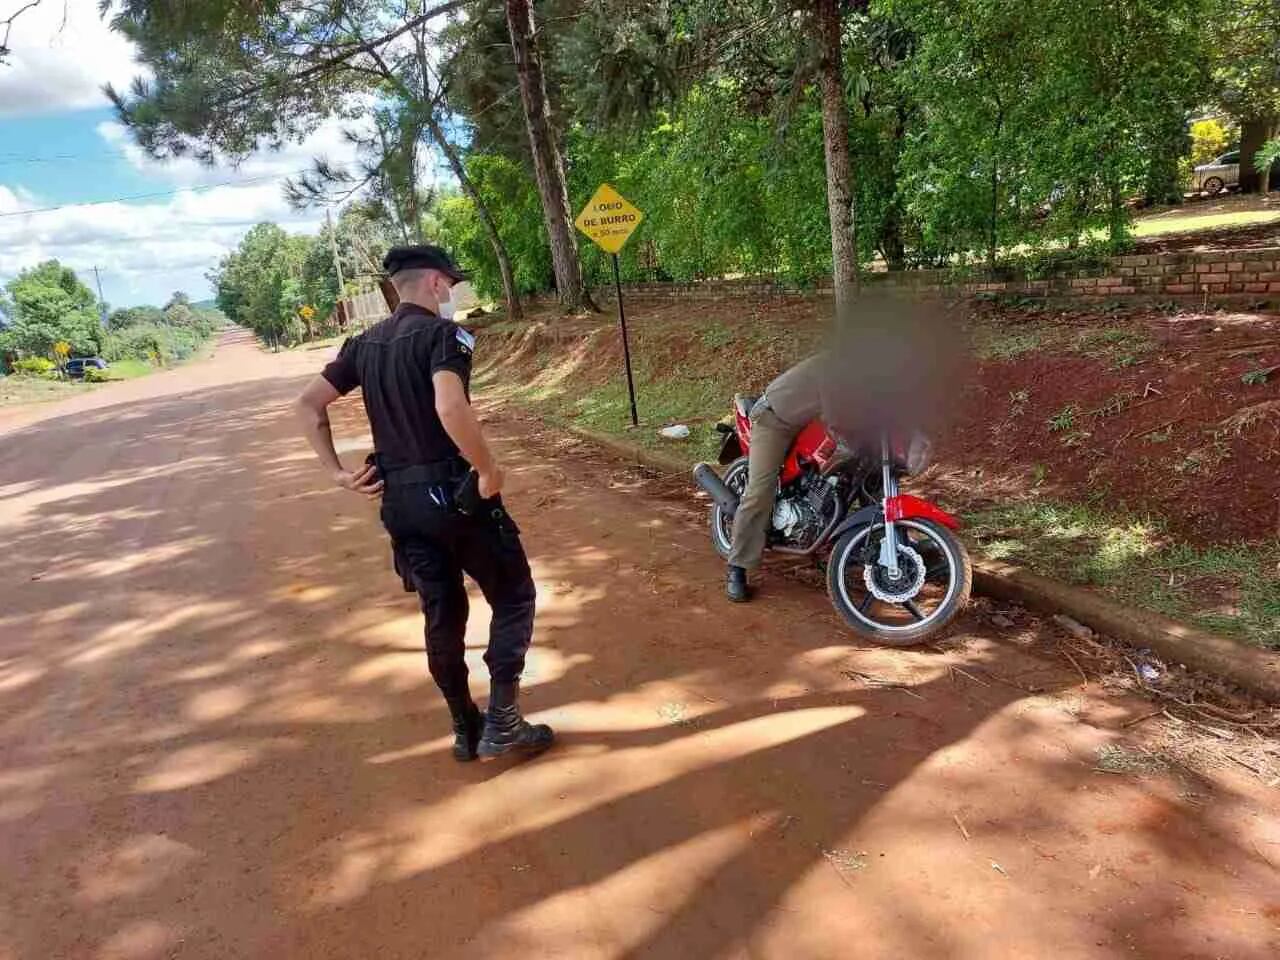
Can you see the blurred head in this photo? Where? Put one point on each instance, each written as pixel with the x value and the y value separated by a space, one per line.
pixel 895 363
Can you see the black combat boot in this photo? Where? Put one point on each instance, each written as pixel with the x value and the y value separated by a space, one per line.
pixel 467 724
pixel 506 731
pixel 735 586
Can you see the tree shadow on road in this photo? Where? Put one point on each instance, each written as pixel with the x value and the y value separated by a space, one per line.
pixel 218 740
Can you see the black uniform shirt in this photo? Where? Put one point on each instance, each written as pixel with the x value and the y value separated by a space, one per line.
pixel 392 362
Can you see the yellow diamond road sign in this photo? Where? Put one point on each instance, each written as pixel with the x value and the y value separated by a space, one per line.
pixel 608 219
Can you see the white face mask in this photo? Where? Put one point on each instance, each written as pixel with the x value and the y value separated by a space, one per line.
pixel 446 308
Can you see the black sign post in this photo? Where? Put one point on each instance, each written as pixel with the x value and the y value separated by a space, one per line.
pixel 609 219
pixel 626 345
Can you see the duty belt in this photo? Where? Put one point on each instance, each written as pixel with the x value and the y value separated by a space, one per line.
pixel 438 471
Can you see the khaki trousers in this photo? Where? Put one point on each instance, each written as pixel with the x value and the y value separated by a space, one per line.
pixel 770 440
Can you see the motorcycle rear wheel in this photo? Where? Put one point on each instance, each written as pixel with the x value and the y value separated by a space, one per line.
pixel 906 624
pixel 735 479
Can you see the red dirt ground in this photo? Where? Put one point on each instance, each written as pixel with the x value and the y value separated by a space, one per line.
pixel 1153 436
pixel 218 738
pixel 1157 436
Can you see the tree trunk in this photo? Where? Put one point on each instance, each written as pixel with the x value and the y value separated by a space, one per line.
pixel 993 245
pixel 835 142
pixel 1162 183
pixel 548 165
pixel 514 311
pixel 1253 134
pixel 1116 227
pixel 892 246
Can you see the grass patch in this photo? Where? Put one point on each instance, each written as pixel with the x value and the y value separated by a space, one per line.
pixel 16 391
pixel 1063 420
pixel 1115 759
pixel 992 343
pixel 697 403
pixel 1232 589
pixel 1118 343
pixel 1210 221
pixel 556 393
pixel 1122 345
pixel 129 369
pixel 320 344
pixel 717 335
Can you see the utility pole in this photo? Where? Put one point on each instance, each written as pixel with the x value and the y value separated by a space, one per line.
pixel 333 245
pixel 102 301
pixel 337 264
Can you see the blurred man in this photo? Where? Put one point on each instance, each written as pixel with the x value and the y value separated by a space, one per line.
pixel 789 402
pixel 893 365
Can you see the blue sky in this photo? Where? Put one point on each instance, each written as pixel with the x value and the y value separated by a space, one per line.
pixel 61 147
pixel 63 158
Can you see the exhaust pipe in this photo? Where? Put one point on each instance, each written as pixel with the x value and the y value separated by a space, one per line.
pixel 716 488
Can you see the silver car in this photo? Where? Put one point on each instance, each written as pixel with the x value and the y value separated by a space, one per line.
pixel 1214 177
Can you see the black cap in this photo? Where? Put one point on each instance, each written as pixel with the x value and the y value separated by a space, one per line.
pixel 422 256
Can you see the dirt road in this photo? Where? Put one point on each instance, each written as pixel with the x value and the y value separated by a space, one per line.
pixel 218 738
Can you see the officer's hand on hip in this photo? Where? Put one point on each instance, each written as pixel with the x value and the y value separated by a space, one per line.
pixel 366 481
pixel 491 483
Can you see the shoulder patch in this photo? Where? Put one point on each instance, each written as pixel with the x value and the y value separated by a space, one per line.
pixel 466 340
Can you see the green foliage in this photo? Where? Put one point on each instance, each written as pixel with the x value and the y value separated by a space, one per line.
pixel 131 316
pixel 979 129
pixel 983 129
pixel 512 198
pixel 1063 420
pixel 1245 56
pixel 161 335
pixel 1268 155
pixel 34 367
pixel 158 342
pixel 47 304
pixel 261 285
pixel 1256 378
pixel 1039 121
pixel 1209 139
pixel 94 375
pixel 1134 559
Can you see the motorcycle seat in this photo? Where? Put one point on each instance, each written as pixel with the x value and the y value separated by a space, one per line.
pixel 744 403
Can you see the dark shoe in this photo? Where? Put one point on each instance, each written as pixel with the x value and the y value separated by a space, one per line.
pixel 735 586
pixel 468 721
pixel 506 731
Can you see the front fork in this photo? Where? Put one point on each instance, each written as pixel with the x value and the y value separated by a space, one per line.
pixel 889 545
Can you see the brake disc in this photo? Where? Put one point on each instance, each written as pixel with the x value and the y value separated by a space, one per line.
pixel 909 583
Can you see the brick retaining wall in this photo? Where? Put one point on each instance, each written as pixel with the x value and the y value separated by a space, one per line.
pixel 1236 274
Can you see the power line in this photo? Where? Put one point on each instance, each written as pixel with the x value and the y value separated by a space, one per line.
pixel 152 196
pixel 10 160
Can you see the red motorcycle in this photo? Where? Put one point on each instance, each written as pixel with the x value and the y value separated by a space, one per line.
pixel 896 571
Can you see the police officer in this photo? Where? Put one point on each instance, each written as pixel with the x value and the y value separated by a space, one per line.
pixel 440 487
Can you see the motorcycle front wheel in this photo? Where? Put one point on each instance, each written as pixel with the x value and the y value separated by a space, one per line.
pixel 935 580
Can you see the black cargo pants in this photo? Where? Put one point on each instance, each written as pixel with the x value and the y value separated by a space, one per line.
pixel 435 545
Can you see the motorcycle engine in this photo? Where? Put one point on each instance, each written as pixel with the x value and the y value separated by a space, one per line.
pixel 801 516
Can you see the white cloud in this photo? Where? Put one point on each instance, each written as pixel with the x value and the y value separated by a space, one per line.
pixel 144 250
pixel 147 249
pixel 62 66
pixel 326 141
pixel 15 199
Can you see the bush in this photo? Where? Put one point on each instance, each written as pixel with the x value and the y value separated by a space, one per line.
pixel 94 375
pixel 145 341
pixel 34 367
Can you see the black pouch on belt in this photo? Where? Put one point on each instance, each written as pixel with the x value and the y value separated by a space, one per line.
pixel 466 495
